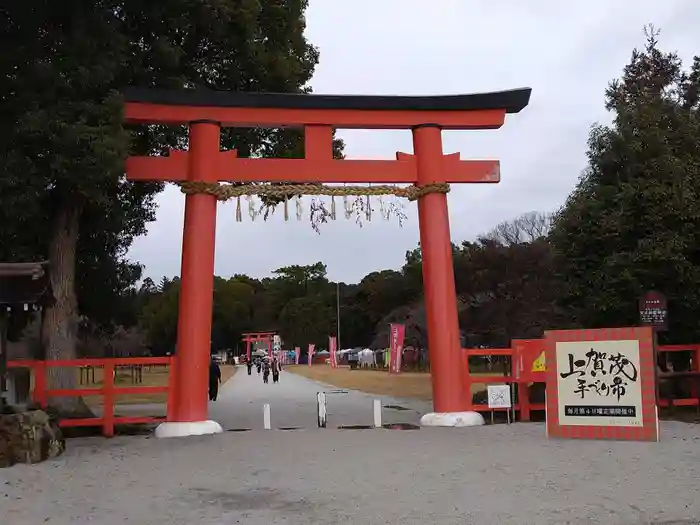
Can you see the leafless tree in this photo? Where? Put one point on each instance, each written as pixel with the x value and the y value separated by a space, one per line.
pixel 525 229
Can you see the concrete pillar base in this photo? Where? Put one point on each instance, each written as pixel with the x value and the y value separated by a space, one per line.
pixel 190 428
pixel 452 419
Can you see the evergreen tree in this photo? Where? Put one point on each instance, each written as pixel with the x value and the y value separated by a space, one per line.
pixel 63 196
pixel 633 222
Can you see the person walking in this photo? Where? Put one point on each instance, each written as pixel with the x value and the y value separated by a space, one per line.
pixel 214 379
pixel 266 371
pixel 249 364
pixel 276 367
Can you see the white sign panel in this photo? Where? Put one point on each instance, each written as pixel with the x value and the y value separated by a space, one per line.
pixel 499 396
pixel 598 383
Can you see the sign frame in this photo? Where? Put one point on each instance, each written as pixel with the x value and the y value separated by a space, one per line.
pixel 504 389
pixel 649 429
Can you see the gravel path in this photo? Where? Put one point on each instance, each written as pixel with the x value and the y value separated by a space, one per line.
pixel 503 474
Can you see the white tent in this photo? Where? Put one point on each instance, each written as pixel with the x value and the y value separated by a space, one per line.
pixel 366 357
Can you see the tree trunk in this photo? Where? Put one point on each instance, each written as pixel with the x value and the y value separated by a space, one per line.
pixel 59 326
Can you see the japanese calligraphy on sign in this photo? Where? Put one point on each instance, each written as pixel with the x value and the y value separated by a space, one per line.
pixel 599 383
pixel 653 310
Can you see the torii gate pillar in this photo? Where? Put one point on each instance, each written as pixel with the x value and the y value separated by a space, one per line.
pixel 196 297
pixel 438 277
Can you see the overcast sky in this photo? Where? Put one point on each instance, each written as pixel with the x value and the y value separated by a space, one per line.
pixel 565 51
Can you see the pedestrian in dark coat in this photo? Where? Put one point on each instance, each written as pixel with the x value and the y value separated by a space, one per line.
pixel 266 371
pixel 276 367
pixel 214 380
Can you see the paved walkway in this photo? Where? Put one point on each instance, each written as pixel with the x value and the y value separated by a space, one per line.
pixel 293 404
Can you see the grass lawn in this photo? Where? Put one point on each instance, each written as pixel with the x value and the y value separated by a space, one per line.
pixel 408 384
pixel 152 376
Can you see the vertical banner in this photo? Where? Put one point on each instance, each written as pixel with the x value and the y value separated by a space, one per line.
pixel 396 335
pixel 297 352
pixel 276 343
pixel 332 350
pixel 311 353
pixel 276 346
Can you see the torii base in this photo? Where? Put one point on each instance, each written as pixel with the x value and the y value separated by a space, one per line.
pixel 452 419
pixel 190 428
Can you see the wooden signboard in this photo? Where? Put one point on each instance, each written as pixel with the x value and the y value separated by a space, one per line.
pixel 653 310
pixel 601 384
pixel 530 359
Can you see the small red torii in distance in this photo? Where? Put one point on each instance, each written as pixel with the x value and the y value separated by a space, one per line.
pixel 206 112
pixel 254 337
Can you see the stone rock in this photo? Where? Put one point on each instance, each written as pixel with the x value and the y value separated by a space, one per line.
pixel 29 437
pixel 452 419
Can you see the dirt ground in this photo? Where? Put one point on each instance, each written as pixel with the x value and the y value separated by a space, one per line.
pixel 152 376
pixel 380 382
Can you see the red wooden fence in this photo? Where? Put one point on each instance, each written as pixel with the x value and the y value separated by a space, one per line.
pixel 40 393
pixel 520 374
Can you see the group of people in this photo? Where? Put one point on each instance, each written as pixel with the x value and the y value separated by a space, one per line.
pixel 266 366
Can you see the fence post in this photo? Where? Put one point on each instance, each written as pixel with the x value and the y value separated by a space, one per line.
pixel 321 406
pixel 377 413
pixel 108 400
pixel 695 367
pixel 170 408
pixel 266 417
pixel 39 395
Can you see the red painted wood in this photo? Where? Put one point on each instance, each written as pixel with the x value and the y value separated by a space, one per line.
pixel 229 168
pixel 438 278
pixel 197 279
pixel 41 394
pixel 108 403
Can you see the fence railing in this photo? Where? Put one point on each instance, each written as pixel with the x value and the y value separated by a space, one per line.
pixel 40 393
pixel 694 399
pixel 521 376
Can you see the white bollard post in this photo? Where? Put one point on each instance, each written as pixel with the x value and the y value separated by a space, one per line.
pixel 266 416
pixel 377 413
pixel 321 405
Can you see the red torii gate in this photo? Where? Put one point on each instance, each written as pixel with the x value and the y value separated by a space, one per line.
pixel 205 112
pixel 254 337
